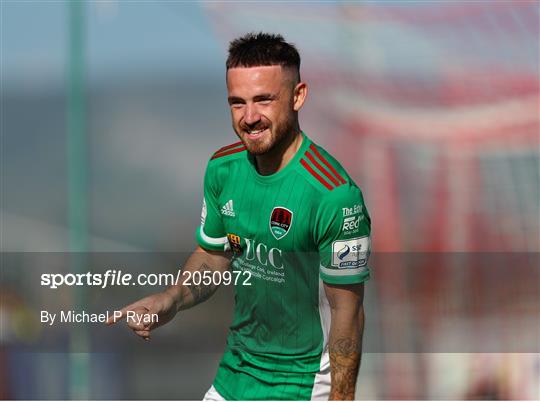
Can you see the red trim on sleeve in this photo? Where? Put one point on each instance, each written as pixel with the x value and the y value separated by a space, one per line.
pixel 322 169
pixel 228 147
pixel 232 151
pixel 328 165
pixel 315 174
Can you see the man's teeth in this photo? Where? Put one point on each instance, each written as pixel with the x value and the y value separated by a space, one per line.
pixel 253 132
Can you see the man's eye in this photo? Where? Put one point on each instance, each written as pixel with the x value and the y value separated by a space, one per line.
pixel 265 101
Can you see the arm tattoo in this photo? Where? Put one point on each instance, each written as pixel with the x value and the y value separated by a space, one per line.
pixel 345 356
pixel 202 292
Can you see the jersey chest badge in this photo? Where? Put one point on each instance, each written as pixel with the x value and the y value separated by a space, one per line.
pixel 280 222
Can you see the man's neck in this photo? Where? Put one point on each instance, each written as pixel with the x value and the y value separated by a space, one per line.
pixel 276 159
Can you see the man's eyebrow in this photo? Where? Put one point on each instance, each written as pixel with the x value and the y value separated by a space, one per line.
pixel 232 99
pixel 256 98
pixel 264 97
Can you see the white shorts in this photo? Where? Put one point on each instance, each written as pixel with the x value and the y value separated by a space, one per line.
pixel 320 392
pixel 213 395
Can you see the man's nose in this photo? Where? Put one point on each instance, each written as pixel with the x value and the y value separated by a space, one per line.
pixel 251 115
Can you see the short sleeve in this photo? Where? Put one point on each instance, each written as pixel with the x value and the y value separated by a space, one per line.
pixel 211 233
pixel 343 236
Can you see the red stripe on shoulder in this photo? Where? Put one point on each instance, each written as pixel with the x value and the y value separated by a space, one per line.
pixel 229 152
pixel 328 165
pixel 322 169
pixel 228 147
pixel 315 174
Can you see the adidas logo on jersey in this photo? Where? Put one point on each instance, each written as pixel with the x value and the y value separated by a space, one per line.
pixel 228 209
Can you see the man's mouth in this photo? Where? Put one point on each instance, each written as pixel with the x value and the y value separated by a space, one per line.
pixel 255 134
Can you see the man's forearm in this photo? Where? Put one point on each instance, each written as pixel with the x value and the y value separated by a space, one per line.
pixel 345 349
pixel 189 294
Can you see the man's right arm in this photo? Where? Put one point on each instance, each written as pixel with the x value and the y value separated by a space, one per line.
pixel 202 260
pixel 177 297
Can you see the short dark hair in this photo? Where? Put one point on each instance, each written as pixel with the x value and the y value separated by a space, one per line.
pixel 263 49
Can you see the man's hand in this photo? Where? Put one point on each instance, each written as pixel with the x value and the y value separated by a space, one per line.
pixel 162 304
pixel 177 297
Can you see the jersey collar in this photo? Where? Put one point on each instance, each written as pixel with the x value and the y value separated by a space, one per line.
pixel 288 167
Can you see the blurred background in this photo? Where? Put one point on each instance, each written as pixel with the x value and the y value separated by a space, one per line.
pixel 110 110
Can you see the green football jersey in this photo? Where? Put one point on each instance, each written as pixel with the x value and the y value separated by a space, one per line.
pixel 288 232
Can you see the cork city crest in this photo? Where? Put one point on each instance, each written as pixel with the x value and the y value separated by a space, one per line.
pixel 280 222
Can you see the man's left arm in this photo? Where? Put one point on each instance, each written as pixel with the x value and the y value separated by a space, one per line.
pixel 345 340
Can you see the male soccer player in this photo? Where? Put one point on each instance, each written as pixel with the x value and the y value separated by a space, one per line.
pixel 281 211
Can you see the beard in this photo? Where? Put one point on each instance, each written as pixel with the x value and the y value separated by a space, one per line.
pixel 271 141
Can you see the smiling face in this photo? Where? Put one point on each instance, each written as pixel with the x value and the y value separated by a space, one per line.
pixel 264 102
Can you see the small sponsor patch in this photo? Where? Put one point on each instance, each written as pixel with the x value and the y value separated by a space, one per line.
pixel 351 224
pixel 235 243
pixel 355 209
pixel 280 222
pixel 352 253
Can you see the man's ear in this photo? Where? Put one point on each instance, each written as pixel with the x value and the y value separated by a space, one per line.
pixel 300 94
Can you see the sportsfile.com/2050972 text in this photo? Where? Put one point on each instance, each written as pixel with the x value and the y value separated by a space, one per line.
pixel 113 277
